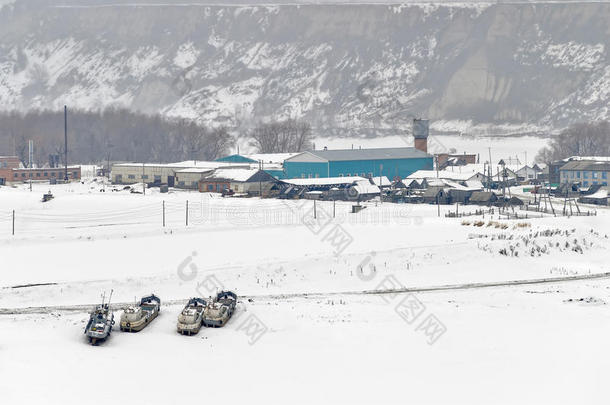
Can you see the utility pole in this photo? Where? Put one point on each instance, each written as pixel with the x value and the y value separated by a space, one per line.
pixel 260 183
pixel 13 222
pixel 187 212
pixel 314 209
pixel 163 213
pixel 438 206
pixel 66 141
pixel 380 196
pixel 489 168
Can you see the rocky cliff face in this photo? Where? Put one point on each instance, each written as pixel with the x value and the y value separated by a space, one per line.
pixel 467 66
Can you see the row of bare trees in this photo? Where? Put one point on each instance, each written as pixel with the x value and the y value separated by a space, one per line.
pixel 583 139
pixel 122 135
pixel 116 134
pixel 281 136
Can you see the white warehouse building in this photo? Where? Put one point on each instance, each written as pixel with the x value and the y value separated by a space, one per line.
pixel 160 173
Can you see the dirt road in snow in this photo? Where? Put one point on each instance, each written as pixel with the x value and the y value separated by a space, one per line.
pixel 280 297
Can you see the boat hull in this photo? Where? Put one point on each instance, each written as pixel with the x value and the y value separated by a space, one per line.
pixel 136 326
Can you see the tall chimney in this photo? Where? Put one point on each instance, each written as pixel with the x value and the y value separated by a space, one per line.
pixel 420 133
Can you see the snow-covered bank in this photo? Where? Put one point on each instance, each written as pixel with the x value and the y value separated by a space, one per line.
pixel 496 344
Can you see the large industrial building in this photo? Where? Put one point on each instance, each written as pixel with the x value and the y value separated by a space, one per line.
pixel 394 163
pixel 389 162
pixel 12 172
pixel 160 173
pixel 187 174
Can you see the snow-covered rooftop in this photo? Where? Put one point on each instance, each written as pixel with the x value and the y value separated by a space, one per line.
pixel 185 165
pixel 234 174
pixel 442 174
pixel 271 157
pixel 381 182
pixel 601 193
pixel 201 163
pixel 195 170
pixel 324 181
pixel 597 158
pixel 365 187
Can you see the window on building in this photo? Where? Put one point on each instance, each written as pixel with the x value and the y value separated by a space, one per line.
pixel 593 175
pixel 604 175
pixel 74 174
pixel 46 174
pixel 194 184
pixel 340 174
pixel 578 175
pixel 53 174
pixel 16 175
pixel 585 175
pixel 131 176
pixel 348 175
pixel 22 174
pixel 585 183
pixel 38 174
pixel 157 179
pixel 210 187
pixel 362 174
pixel 145 177
pixel 181 183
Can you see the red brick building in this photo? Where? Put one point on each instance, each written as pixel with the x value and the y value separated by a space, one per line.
pixel 455 159
pixel 10 172
pixel 7 164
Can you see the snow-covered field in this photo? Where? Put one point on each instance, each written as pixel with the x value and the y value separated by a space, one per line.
pixel 313 324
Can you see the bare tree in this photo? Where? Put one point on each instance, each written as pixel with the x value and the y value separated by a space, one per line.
pixel 194 140
pixel 584 139
pixel 217 143
pixel 282 136
pixel 21 150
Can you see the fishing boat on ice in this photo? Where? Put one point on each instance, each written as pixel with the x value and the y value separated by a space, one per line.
pixel 137 317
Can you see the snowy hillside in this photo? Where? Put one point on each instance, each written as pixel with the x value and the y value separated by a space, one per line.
pixel 497 67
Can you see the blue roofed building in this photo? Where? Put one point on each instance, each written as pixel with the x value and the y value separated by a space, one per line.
pixel 269 162
pixel 389 162
pixel 236 158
